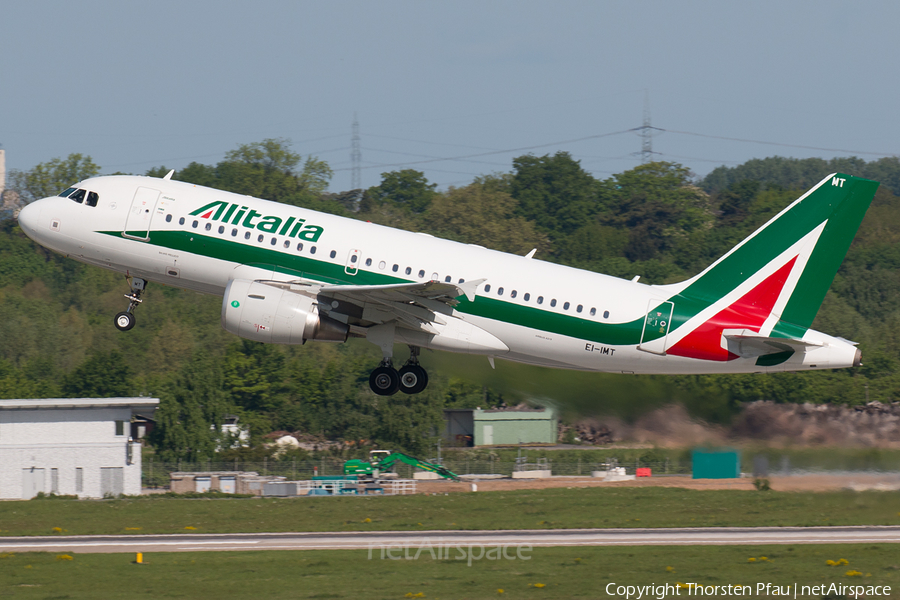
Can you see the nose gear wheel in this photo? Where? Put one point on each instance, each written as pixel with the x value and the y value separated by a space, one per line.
pixel 125 320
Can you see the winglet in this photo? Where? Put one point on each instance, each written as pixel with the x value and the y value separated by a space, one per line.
pixel 469 287
pixel 531 254
pixel 169 174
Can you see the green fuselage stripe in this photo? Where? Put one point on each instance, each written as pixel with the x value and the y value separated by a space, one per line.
pixel 289 263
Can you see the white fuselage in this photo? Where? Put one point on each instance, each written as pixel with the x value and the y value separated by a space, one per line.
pixel 210 252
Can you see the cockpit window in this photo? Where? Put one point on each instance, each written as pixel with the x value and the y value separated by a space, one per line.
pixel 92 199
pixel 78 196
pixel 65 194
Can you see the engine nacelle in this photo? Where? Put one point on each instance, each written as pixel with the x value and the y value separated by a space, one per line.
pixel 265 313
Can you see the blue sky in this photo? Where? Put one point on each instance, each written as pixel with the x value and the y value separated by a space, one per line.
pixel 138 85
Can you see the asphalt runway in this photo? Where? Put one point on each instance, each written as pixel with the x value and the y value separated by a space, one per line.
pixel 378 540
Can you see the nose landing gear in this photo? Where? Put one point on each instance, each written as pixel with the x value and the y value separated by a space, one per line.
pixel 125 320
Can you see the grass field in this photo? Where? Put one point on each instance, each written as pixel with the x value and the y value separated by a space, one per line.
pixel 550 573
pixel 522 509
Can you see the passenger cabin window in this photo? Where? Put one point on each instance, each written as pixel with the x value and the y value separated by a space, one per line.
pixel 382 265
pixel 605 314
pixel 168 218
pixel 447 279
pixel 221 229
pixel 553 302
pixel 513 293
pixel 368 262
pixel 78 196
pixel 181 221
pixel 526 297
pixel 260 238
pixel 247 235
pixel 421 273
pixel 312 249
pixel 565 306
pixel 394 268
pixel 487 288
pixel 540 300
pixel 92 199
pixel 333 254
pixel 300 247
pixel 194 224
pixel 580 308
pixel 234 232
pixel 354 257
pixel 409 270
pixel 287 243
pixel 274 241
pixel 500 291
pixel 208 226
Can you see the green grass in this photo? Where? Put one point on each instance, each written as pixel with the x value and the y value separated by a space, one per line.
pixel 564 572
pixel 522 509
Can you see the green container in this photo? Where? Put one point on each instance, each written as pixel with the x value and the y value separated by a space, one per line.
pixel 716 464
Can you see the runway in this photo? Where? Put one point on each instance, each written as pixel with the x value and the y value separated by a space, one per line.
pixel 194 542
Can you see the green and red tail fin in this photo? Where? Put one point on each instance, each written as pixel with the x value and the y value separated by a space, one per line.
pixel 774 281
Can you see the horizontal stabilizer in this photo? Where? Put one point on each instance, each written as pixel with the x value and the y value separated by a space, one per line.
pixel 748 343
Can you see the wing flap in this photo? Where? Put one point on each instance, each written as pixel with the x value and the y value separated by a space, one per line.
pixel 417 306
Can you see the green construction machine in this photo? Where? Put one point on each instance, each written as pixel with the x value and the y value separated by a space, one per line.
pixel 382 461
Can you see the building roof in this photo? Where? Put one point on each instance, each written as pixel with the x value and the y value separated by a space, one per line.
pixel 141 403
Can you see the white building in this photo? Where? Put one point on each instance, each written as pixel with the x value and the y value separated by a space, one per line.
pixel 76 446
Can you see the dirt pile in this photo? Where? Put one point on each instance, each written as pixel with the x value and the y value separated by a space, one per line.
pixel 870 425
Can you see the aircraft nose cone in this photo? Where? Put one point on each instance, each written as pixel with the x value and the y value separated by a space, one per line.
pixel 30 220
pixel 29 217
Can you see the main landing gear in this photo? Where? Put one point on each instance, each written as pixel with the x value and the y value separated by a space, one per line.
pixel 411 379
pixel 125 320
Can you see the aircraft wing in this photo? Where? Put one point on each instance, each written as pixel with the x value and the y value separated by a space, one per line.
pixel 748 343
pixel 413 305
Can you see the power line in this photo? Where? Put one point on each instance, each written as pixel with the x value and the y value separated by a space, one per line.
pixel 522 149
pixel 731 139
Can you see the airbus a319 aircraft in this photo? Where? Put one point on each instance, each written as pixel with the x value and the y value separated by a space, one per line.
pixel 289 275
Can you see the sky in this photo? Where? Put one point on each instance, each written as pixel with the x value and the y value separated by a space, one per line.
pixel 454 89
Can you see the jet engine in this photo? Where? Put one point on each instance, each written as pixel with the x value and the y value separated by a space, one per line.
pixel 265 313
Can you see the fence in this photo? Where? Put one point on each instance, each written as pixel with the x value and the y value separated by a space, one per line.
pixel 156 474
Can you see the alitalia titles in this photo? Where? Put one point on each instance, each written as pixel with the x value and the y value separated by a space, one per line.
pixel 236 214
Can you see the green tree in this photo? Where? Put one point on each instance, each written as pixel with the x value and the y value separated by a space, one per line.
pixel 191 411
pixel 659 207
pixel 481 214
pixel 52 177
pixel 254 374
pixel 554 192
pixel 408 190
pixel 266 169
pixel 102 375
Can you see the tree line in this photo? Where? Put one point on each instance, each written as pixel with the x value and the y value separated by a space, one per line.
pixel 656 221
